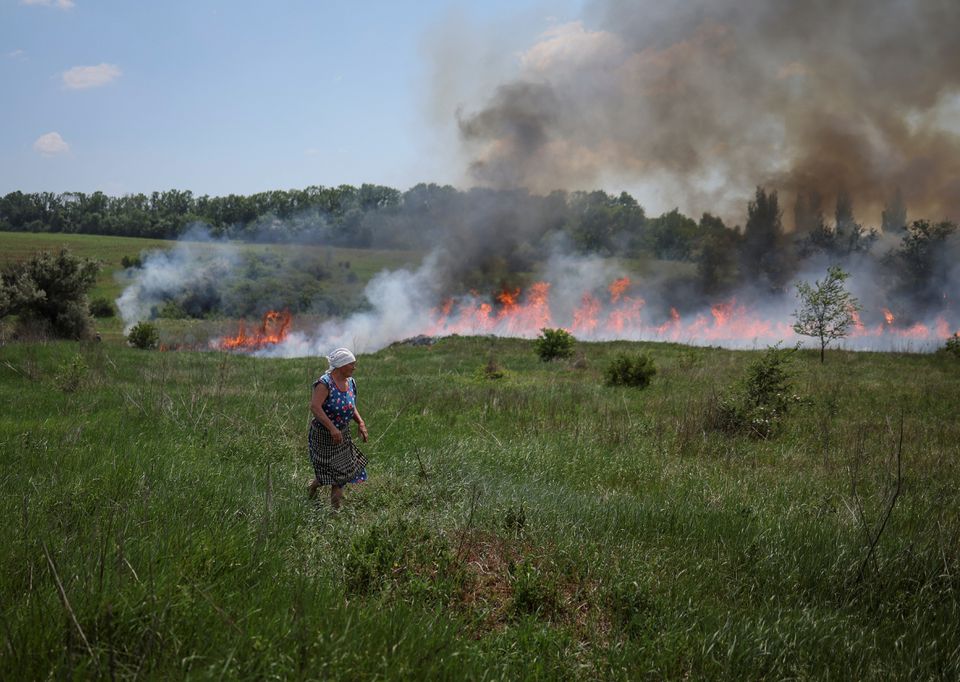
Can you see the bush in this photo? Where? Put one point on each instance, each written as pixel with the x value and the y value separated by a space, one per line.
pixel 630 370
pixel 70 375
pixel 757 404
pixel 52 288
pixel 144 335
pixel 492 371
pixel 952 346
pixel 131 262
pixel 102 307
pixel 553 344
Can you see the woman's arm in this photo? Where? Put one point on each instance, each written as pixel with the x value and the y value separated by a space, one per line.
pixel 360 424
pixel 320 393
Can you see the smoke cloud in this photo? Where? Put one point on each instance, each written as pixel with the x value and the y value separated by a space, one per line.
pixel 196 264
pixel 707 99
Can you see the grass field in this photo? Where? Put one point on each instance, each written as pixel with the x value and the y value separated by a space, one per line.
pixel 538 526
pixel 344 283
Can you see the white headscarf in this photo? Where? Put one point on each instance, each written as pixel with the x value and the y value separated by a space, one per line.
pixel 340 357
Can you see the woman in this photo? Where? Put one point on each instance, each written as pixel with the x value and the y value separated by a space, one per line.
pixel 336 460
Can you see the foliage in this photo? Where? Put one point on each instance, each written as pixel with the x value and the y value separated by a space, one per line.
pixel 71 374
pixel 53 289
pixel 630 370
pixel 927 254
pixel 952 345
pixel 827 309
pixel 716 256
pixel 762 256
pixel 672 236
pixel 757 404
pixel 144 335
pixel 102 307
pixel 554 344
pixel 491 371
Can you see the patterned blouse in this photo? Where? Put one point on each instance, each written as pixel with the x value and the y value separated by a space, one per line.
pixel 339 404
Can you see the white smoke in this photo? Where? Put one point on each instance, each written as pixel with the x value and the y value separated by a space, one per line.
pixel 405 303
pixel 197 257
pixel 401 302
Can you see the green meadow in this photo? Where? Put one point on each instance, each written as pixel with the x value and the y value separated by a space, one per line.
pixel 346 269
pixel 540 525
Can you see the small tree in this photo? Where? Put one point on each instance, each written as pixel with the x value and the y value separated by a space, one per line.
pixel 554 344
pixel 51 288
pixel 630 370
pixel 827 309
pixel 144 335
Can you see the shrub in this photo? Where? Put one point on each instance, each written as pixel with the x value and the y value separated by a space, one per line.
pixel 952 346
pixel 630 370
pixel 70 375
pixel 131 262
pixel 553 344
pixel 144 335
pixel 492 370
pixel 757 404
pixel 102 307
pixel 52 288
pixel 172 310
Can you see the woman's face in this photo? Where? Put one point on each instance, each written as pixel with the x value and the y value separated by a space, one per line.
pixel 347 370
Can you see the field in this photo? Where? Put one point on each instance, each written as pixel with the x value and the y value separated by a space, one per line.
pixel 345 283
pixel 540 525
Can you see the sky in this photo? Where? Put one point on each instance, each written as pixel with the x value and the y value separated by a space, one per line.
pixel 228 96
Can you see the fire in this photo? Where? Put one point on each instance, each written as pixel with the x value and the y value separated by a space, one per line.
pixel 619 313
pixel 272 330
pixel 617 288
pixel 508 299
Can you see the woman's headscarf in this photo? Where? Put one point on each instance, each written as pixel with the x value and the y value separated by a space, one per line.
pixel 340 357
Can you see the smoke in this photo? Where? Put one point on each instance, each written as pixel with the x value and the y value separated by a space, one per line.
pixel 708 99
pixel 401 301
pixel 196 264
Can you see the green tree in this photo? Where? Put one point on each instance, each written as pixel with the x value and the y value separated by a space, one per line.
pixel 827 309
pixel 716 256
pixel 52 288
pixel 761 252
pixel 894 217
pixel 554 344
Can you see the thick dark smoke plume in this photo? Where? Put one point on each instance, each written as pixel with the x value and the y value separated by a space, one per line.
pixel 709 98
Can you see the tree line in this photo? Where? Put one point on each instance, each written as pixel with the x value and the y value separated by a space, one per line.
pixel 494 234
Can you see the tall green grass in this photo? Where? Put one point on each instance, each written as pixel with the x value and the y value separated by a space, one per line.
pixel 541 525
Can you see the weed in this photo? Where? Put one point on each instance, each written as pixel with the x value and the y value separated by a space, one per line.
pixel 630 370
pixel 758 403
pixel 71 374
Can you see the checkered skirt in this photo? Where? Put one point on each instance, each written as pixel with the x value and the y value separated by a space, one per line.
pixel 335 464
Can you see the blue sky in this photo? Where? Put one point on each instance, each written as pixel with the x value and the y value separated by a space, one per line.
pixel 219 96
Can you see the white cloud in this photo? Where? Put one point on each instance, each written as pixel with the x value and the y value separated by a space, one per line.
pixel 51 144
pixel 17 54
pixel 83 77
pixel 62 4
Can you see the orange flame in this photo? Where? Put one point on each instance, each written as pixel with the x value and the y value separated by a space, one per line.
pixel 524 313
pixel 508 299
pixel 272 330
pixel 617 288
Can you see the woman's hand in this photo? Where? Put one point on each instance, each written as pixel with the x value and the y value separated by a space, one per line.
pixel 363 430
pixel 336 435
